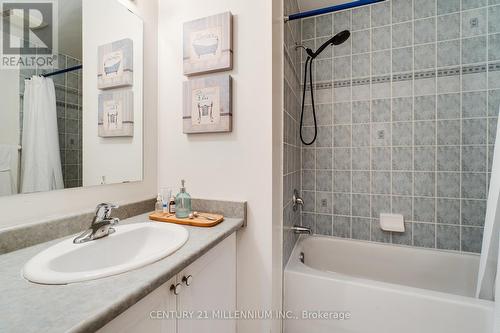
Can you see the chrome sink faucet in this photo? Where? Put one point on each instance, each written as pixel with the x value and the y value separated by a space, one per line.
pixel 102 224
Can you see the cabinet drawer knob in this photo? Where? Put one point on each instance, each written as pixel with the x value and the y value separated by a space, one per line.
pixel 187 280
pixel 176 288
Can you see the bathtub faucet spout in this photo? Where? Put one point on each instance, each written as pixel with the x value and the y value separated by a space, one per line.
pixel 297 229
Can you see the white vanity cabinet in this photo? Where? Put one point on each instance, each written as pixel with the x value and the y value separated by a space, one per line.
pixel 138 317
pixel 205 300
pixel 211 295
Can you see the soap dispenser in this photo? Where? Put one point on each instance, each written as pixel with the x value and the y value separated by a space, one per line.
pixel 182 202
pixel 159 204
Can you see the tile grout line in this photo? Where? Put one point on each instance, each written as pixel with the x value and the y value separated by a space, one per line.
pixel 350 149
pixel 461 128
pixel 488 179
pixel 332 99
pixel 413 135
pixel 436 135
pixel 315 155
pixel 370 155
pixel 391 204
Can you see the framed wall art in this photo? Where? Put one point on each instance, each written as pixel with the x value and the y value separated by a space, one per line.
pixel 116 114
pixel 207 104
pixel 116 64
pixel 207 44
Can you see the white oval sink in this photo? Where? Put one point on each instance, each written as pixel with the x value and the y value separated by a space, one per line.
pixel 130 247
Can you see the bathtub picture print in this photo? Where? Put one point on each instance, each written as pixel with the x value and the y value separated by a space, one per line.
pixel 116 115
pixel 116 63
pixel 207 44
pixel 207 105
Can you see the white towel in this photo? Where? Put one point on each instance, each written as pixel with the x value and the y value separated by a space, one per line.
pixel 8 163
pixel 5 157
pixel 5 183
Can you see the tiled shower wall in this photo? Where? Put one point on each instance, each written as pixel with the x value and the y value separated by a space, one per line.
pixel 68 88
pixel 69 116
pixel 291 146
pixel 407 111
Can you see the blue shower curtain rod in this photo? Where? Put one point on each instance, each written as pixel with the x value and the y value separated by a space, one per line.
pixel 331 9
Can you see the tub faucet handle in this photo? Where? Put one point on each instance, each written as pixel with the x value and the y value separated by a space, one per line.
pixel 297 200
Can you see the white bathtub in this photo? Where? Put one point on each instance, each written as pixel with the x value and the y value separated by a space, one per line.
pixel 384 288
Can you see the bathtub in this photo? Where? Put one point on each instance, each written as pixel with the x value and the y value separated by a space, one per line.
pixel 364 287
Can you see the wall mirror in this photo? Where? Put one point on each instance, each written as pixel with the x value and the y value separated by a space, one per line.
pixel 77 121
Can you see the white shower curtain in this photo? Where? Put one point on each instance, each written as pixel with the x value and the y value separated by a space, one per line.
pixel 489 252
pixel 41 162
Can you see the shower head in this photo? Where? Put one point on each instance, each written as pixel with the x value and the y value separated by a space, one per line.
pixel 338 39
pixel 341 37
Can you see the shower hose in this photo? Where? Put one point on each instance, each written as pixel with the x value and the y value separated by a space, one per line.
pixel 308 65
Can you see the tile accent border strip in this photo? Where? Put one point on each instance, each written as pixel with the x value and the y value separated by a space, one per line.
pixel 417 75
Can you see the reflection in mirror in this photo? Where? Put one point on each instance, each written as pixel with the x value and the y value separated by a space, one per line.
pixel 78 122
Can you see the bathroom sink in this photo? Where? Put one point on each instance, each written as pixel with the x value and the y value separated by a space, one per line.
pixel 130 247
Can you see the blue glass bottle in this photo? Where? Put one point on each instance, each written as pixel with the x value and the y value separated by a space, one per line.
pixel 182 203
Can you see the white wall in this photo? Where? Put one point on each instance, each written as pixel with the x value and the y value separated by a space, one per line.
pixel 9 109
pixel 9 112
pixel 70 17
pixel 232 166
pixel 116 159
pixel 26 208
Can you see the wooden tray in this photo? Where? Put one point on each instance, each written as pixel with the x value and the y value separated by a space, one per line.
pixel 196 222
